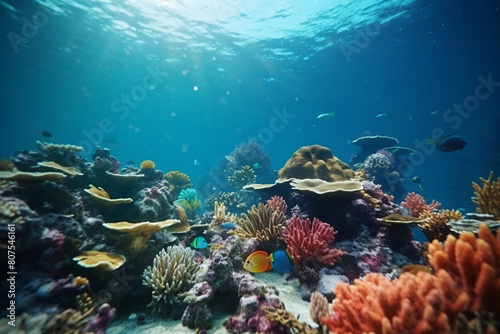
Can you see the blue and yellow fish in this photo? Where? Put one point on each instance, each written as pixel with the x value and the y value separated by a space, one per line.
pixel 259 261
pixel 199 243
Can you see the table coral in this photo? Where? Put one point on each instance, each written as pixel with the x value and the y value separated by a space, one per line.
pixel 488 198
pixel 171 276
pixel 416 204
pixel 311 240
pixel 315 162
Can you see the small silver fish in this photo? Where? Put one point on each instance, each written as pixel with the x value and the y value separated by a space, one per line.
pixel 381 115
pixel 324 116
pixel 435 112
pixel 196 162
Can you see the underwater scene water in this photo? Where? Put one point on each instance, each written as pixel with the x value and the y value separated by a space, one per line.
pixel 229 166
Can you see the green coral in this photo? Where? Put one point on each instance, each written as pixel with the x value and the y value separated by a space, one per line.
pixel 189 201
pixel 171 276
pixel 242 177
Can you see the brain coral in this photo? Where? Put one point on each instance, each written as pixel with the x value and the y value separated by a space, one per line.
pixel 315 162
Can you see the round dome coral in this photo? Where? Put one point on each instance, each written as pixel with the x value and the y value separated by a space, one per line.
pixel 147 164
pixel 315 162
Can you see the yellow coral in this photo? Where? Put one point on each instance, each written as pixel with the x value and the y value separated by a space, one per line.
pixel 242 177
pixel 288 320
pixel 147 164
pixel 435 224
pixel 220 216
pixel 178 181
pixel 488 198
pixel 261 222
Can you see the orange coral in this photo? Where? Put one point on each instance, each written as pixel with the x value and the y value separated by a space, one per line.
pixel 474 263
pixel 467 279
pixel 488 198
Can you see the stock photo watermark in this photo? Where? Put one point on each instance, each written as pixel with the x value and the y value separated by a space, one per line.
pixel 29 28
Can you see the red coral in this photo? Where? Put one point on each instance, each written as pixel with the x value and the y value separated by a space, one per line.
pixel 416 204
pixel 277 203
pixel 306 240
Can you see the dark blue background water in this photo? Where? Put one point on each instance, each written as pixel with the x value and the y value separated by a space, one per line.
pixel 412 58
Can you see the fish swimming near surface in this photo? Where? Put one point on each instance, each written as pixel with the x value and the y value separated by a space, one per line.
pixel 323 117
pixel 381 115
pixel 449 143
pixel 199 243
pixel 281 261
pixel 46 134
pixel 257 262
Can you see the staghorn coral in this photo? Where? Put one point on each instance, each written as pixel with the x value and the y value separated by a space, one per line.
pixel 315 162
pixel 242 177
pixel 277 203
pixel 474 263
pixel 171 276
pixel 488 198
pixel 189 201
pixel 220 216
pixel 147 164
pixel 311 240
pixel 416 204
pixel 261 222
pixel 435 224
pixel 178 181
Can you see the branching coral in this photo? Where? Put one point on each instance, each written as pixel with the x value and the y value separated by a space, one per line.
pixel 277 203
pixel 416 204
pixel 232 200
pixel 288 320
pixel 311 240
pixel 318 307
pixel 242 177
pixel 435 223
pixel 488 198
pixel 474 263
pixel 171 276
pixel 467 280
pixel 261 222
pixel 220 216
pixel 189 201
pixel 178 181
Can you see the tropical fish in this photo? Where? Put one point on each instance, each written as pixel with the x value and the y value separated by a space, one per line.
pixel 256 166
pixel 196 162
pixel 111 142
pixel 228 226
pixel 130 162
pixel 199 243
pixel 230 158
pixel 381 115
pixel 435 112
pixel 281 261
pixel 324 116
pixel 449 143
pixel 257 262
pixel 46 134
pixel 417 180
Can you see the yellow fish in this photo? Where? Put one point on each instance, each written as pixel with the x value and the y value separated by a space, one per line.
pixel 257 262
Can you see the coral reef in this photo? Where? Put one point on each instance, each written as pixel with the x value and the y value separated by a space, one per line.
pixel 277 203
pixel 435 225
pixel 261 222
pixel 315 162
pixel 104 162
pixel 249 154
pixel 488 198
pixel 235 201
pixel 311 240
pixel 171 276
pixel 287 320
pixel 416 204
pixel 153 202
pixel 242 177
pixel 6 165
pixel 101 260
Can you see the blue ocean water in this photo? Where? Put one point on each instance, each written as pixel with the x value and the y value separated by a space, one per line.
pixel 178 81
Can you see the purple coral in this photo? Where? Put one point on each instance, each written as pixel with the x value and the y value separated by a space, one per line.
pixel 104 161
pixel 100 322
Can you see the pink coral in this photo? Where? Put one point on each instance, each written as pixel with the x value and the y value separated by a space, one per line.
pixel 311 240
pixel 416 204
pixel 277 203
